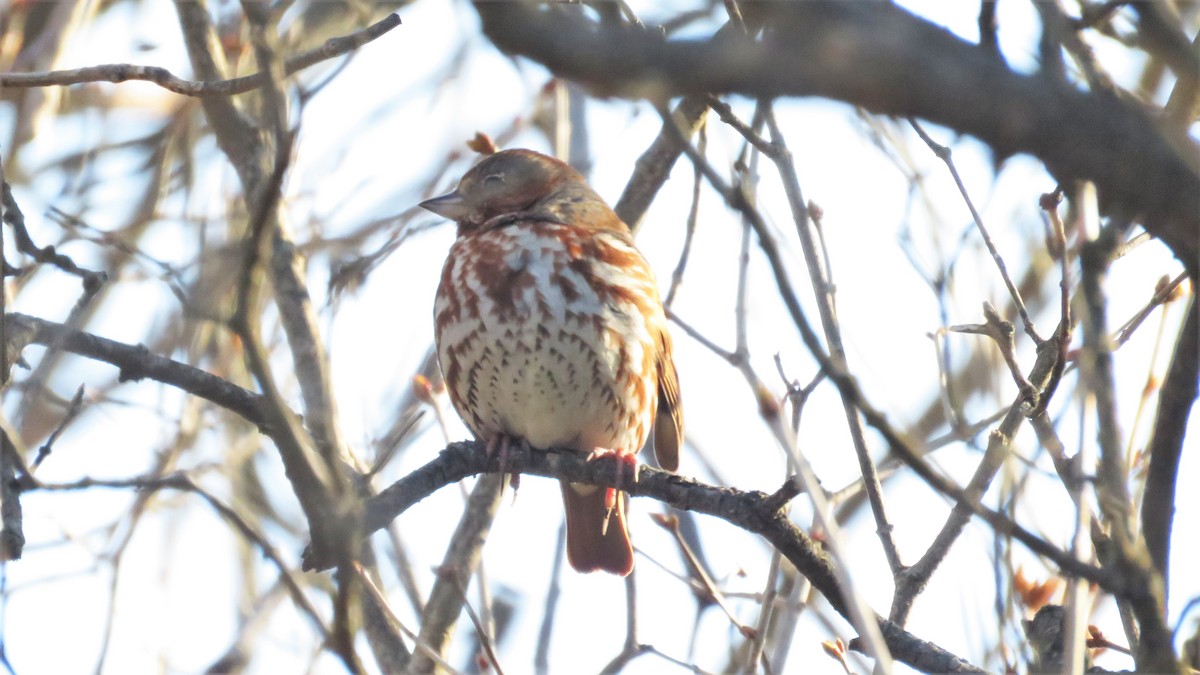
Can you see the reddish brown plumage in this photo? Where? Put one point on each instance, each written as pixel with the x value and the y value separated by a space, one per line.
pixel 550 330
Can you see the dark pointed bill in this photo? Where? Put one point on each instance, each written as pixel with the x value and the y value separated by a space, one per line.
pixel 450 206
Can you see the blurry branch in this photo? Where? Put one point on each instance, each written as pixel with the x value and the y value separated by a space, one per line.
pixel 12 521
pixel 159 165
pixel 1001 332
pixel 73 410
pixel 654 165
pixel 970 378
pixel 462 557
pixel 1127 553
pixel 910 582
pixel 618 664
pixel 136 362
pixel 821 278
pixel 743 190
pixel 1162 295
pixel 987 27
pixel 1175 401
pixel 92 281
pixel 144 502
pixel 754 511
pixel 890 62
pixel 692 218
pixel 380 601
pixel 944 153
pixel 260 611
pixel 702 584
pixel 1056 240
pixel 382 627
pixel 897 443
pixel 288 268
pixel 1057 35
pixel 632 648
pixel 1181 106
pixel 259 151
pixel 184 483
pixel 755 651
pixel 124 72
pixel 1162 34
pixel 541 658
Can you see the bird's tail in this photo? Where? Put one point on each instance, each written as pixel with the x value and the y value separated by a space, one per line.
pixel 596 539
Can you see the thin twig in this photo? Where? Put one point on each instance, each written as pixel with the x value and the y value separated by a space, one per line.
pixel 1001 333
pixel 182 482
pixel 1176 400
pixel 1161 295
pixel 369 586
pixel 765 612
pixel 462 557
pixel 690 227
pixel 541 658
pixel 943 153
pixel 820 276
pixel 125 72
pixel 896 442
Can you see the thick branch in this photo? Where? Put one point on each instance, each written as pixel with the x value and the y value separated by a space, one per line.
pixel 886 60
pixel 755 512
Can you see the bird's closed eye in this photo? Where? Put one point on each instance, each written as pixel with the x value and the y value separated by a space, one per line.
pixel 493 179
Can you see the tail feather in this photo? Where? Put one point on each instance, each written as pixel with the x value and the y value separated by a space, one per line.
pixel 591 545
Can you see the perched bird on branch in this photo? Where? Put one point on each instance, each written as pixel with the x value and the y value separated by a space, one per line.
pixel 550 332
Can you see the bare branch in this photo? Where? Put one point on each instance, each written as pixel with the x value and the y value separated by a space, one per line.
pixel 1175 401
pixel 136 363
pixel 879 56
pixel 753 511
pixel 944 153
pixel 1127 553
pixel 126 72
pixel 466 549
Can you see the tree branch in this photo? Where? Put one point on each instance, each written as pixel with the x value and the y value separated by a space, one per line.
pixel 1127 553
pixel 1175 402
pixel 136 362
pixel 754 511
pixel 882 58
pixel 125 72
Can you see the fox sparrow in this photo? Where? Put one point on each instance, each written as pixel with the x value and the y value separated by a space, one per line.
pixel 550 332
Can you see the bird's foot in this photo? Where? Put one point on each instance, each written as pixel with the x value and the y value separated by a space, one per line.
pixel 626 462
pixel 500 445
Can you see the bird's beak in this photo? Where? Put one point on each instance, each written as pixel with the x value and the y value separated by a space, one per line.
pixel 451 206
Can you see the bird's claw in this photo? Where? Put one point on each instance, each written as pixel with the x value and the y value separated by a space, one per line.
pixel 625 462
pixel 499 445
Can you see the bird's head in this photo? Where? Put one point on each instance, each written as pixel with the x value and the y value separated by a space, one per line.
pixel 511 181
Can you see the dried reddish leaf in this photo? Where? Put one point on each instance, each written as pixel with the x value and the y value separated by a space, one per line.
pixel 483 144
pixel 1034 595
pixel 423 389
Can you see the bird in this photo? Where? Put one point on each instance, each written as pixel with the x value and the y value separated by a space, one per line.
pixel 550 333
